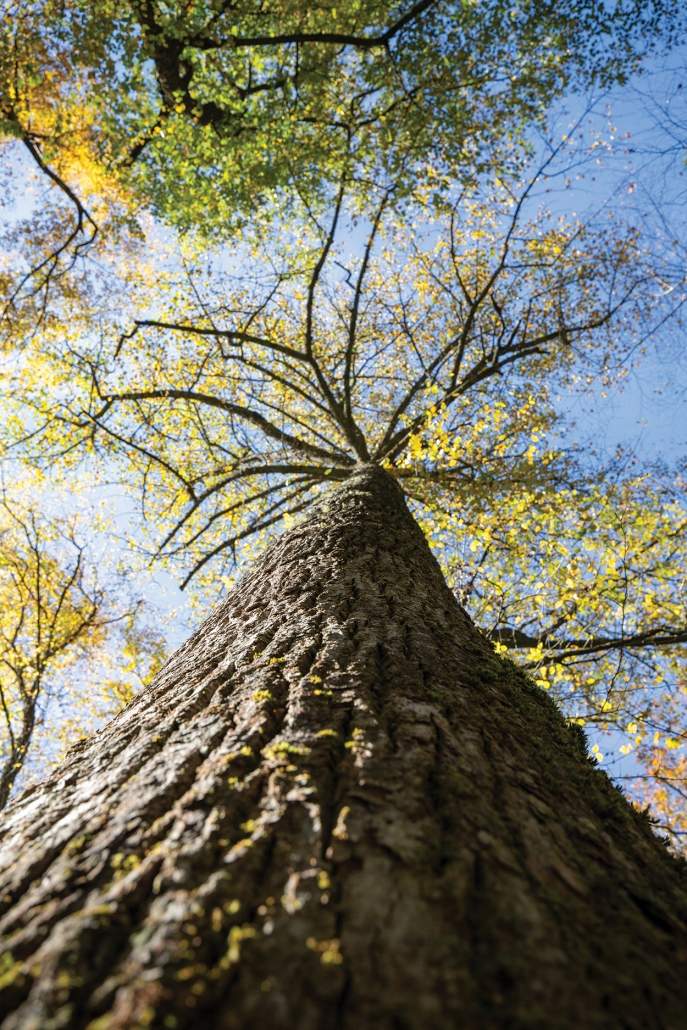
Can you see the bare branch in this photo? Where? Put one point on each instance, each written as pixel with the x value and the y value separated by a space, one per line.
pixel 355 307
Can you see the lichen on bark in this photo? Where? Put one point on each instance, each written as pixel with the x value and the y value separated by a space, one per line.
pixel 336 808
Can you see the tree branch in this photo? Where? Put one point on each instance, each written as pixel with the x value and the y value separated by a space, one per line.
pixel 82 219
pixel 256 527
pixel 227 334
pixel 313 472
pixel 247 414
pixel 341 38
pixel 572 647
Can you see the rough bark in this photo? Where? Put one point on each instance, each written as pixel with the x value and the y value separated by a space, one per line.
pixel 336 809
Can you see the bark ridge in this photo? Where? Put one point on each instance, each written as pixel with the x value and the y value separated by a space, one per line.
pixel 337 809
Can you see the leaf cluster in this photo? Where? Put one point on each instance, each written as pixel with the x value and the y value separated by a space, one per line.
pixel 206 111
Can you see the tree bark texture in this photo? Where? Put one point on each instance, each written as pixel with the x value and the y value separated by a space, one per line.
pixel 337 809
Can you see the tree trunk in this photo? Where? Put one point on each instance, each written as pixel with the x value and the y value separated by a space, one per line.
pixel 336 809
pixel 19 747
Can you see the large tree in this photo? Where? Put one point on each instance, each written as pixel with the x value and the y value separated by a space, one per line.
pixel 225 391
pixel 337 807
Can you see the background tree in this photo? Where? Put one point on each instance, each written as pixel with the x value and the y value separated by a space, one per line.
pixel 64 624
pixel 53 612
pixel 205 113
